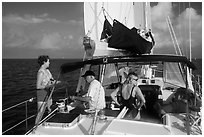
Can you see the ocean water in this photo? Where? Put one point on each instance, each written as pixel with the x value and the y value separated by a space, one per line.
pixel 19 84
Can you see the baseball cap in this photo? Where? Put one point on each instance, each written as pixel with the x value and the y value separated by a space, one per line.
pixel 88 73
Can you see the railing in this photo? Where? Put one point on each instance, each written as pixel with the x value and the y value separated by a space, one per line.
pixel 197 84
pixel 26 114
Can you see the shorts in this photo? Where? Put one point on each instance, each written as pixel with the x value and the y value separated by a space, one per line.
pixel 41 95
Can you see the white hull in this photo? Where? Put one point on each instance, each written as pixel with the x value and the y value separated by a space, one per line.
pixel 114 126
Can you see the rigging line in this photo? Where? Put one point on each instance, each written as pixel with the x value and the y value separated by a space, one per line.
pixel 120 12
pixel 180 29
pixel 175 36
pixel 149 16
pixel 185 37
pixel 90 30
pixel 108 15
pixel 103 12
pixel 171 35
pixel 123 20
pixel 127 14
pixel 145 15
pixel 130 8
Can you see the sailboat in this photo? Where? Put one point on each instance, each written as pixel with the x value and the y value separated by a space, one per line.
pixel 118 39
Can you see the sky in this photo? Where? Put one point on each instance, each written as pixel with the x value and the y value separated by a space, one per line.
pixel 30 29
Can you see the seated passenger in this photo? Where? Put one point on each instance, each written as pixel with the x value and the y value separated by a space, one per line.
pixel 130 93
pixel 176 103
pixel 123 72
pixel 95 96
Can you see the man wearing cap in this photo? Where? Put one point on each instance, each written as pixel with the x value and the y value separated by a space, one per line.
pixel 95 95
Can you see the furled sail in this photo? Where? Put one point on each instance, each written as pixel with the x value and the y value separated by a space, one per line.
pixel 95 13
pixel 100 25
pixel 130 39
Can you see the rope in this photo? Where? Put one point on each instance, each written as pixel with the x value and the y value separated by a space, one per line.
pixel 108 14
pixel 168 23
pixel 126 19
pixel 171 35
pixel 90 30
pixel 104 12
pixel 174 36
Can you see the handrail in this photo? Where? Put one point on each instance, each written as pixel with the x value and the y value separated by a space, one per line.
pixel 29 100
pixel 18 124
pixel 25 120
pixel 197 84
pixel 33 128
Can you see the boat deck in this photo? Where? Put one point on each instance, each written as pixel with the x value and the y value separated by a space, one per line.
pixel 178 125
pixel 109 126
pixel 82 127
pixel 79 124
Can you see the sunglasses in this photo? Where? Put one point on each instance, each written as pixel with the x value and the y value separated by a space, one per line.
pixel 135 79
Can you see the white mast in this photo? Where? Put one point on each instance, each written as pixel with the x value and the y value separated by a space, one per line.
pixel 142 17
pixel 190 30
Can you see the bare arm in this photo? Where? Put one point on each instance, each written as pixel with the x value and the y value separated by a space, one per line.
pixel 114 95
pixel 140 95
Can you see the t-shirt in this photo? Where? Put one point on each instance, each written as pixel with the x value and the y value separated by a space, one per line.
pixel 97 94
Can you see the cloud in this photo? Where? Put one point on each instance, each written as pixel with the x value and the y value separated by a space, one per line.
pixel 40 32
pixel 50 41
pixel 27 19
pixel 180 24
pixel 196 30
pixel 159 14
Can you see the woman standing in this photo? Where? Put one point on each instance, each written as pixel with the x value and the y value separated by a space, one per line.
pixel 44 82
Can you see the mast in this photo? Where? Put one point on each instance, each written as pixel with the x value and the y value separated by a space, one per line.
pixel 190 31
pixel 146 15
pixel 95 16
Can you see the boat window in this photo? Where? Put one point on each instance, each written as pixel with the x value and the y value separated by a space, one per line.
pixel 71 78
pixel 174 73
pixel 110 75
pixel 96 70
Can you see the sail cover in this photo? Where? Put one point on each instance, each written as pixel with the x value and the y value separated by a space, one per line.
pixel 107 30
pixel 129 39
pixel 94 16
pixel 98 21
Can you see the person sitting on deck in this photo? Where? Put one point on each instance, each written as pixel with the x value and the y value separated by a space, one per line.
pixel 176 102
pixel 130 94
pixel 95 95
